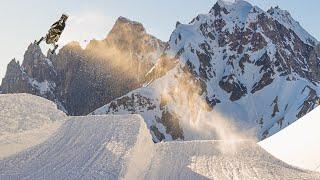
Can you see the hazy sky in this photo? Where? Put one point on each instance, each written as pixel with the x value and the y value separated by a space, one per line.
pixel 25 21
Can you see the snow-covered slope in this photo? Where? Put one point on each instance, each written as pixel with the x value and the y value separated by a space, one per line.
pixel 105 147
pixel 236 64
pixel 26 120
pixel 299 143
pixel 219 160
pixel 120 147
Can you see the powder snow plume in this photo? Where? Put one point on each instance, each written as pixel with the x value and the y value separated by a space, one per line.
pixel 183 96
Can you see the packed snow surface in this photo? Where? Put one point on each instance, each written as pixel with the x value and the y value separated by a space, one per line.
pixel 298 144
pixel 121 147
pixel 26 120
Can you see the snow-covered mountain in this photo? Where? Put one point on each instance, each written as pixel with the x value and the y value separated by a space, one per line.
pixel 81 80
pixel 119 147
pixel 238 64
pixel 298 144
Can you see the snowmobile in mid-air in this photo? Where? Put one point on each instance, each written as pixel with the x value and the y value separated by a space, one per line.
pixel 55 32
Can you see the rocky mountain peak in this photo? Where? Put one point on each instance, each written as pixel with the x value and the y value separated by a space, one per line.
pixel 132 38
pixel 14 69
pixel 15 79
pixel 124 27
pixel 73 45
pixel 37 65
pixel 33 55
pixel 123 21
pixel 234 7
pixel 14 63
pixel 233 4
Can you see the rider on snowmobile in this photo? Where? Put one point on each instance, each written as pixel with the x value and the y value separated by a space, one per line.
pixel 55 32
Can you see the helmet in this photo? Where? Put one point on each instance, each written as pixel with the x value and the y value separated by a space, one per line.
pixel 64 16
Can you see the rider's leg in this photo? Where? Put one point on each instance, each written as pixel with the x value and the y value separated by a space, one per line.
pixel 55 46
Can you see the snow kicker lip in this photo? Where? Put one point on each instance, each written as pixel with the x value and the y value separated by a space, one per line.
pixel 121 147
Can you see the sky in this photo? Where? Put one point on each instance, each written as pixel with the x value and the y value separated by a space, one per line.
pixel 24 22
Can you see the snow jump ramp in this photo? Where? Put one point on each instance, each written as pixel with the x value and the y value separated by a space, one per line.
pixel 93 147
pixel 121 147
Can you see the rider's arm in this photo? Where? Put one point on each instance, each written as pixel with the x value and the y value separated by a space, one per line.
pixel 55 24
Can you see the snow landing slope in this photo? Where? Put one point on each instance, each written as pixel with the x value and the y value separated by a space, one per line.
pixel 26 120
pixel 251 66
pixel 298 144
pixel 220 160
pixel 121 147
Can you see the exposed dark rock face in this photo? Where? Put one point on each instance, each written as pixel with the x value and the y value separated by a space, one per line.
pixel 81 80
pixel 264 81
pixel 309 103
pixel 231 85
pixel 314 61
pixel 171 122
pixel 37 65
pixel 39 80
pixel 133 103
pixel 275 107
pixel 15 79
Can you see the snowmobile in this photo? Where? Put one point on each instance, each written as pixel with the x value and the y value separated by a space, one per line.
pixel 55 32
